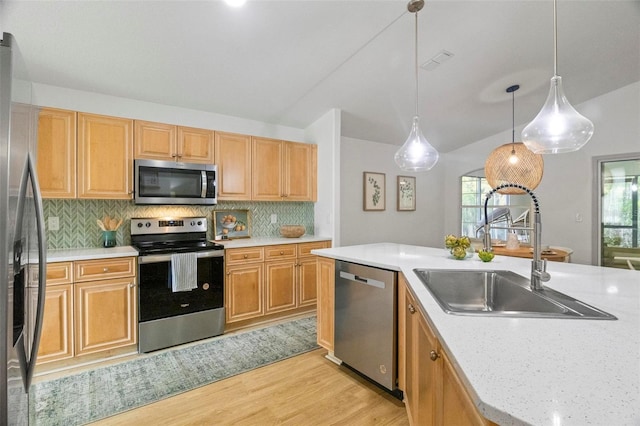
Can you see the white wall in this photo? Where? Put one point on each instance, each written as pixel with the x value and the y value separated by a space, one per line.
pixel 424 226
pixel 59 97
pixel 568 183
pixel 325 132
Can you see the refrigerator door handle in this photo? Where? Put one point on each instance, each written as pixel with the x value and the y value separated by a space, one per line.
pixel 42 269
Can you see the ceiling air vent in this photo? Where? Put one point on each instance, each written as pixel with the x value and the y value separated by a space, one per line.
pixel 440 58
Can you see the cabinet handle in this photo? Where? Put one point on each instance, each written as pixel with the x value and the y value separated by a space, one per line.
pixel 105 269
pixel 433 355
pixel 412 309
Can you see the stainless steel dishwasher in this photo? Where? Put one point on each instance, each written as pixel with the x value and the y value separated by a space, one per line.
pixel 365 322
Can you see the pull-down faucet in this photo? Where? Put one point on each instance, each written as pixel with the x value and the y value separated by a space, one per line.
pixel 539 272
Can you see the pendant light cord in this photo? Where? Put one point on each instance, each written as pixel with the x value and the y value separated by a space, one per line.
pixel 513 119
pixel 555 38
pixel 415 56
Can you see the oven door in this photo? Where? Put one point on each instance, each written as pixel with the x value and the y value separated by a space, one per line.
pixel 157 300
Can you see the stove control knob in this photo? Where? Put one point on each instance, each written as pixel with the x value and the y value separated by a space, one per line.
pixel 193 223
pixel 139 224
pixel 199 222
pixel 148 224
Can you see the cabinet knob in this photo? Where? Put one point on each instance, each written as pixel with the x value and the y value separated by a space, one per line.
pixel 246 256
pixel 105 269
pixel 412 309
pixel 433 355
pixel 131 285
pixel 281 252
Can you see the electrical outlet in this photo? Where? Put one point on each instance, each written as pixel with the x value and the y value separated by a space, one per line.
pixel 578 217
pixel 274 218
pixel 54 223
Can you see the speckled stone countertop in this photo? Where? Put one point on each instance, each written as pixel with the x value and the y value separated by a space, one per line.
pixel 269 241
pixel 534 371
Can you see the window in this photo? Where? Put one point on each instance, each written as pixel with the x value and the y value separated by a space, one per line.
pixel 619 205
pixel 474 188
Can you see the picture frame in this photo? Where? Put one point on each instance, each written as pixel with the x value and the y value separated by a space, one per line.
pixel 406 193
pixel 374 191
pixel 231 224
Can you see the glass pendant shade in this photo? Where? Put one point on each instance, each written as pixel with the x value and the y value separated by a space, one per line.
pixel 558 127
pixel 513 163
pixel 416 155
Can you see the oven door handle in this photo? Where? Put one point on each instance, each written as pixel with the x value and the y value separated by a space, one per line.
pixel 157 258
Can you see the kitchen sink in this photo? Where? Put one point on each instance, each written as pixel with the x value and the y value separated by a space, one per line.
pixel 501 293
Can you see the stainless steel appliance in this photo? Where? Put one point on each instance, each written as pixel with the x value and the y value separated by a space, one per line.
pixel 22 239
pixel 168 316
pixel 170 182
pixel 365 322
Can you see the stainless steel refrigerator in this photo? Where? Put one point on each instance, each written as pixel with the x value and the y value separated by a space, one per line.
pixel 22 238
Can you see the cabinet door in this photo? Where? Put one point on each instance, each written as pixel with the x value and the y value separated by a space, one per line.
pixel 195 145
pixel 56 156
pixel 299 171
pixel 421 374
pixel 155 141
pixel 326 302
pixel 243 292
pixel 233 157
pixel 105 157
pixel 307 281
pixel 266 169
pixel 105 314
pixel 280 281
pixel 457 406
pixel 56 342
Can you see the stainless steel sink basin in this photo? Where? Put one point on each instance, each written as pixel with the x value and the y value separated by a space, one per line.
pixel 501 293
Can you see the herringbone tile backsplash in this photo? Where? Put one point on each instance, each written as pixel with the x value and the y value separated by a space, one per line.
pixel 78 227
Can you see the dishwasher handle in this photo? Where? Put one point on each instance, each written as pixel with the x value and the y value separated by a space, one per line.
pixel 368 281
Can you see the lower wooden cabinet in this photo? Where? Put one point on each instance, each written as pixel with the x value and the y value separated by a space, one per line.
pixel 433 392
pixel 90 307
pixel 105 315
pixel 266 281
pixel 326 302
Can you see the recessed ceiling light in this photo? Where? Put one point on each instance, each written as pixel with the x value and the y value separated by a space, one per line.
pixel 235 3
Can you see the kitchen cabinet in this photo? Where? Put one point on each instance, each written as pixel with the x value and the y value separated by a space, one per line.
pixel 105 157
pixel 244 284
pixel 268 282
pixel 56 153
pixel 433 392
pixel 283 171
pixel 159 141
pixel 326 302
pixel 105 305
pixel 233 157
pixel 56 341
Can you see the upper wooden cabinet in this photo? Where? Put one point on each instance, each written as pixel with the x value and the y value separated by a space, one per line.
pixel 105 157
pixel 283 171
pixel 233 157
pixel 159 141
pixel 56 153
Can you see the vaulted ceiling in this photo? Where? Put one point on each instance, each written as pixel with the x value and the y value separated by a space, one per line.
pixel 288 62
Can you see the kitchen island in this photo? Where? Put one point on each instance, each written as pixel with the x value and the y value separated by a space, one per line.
pixel 536 371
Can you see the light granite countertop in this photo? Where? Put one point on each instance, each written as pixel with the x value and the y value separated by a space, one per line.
pixel 527 370
pixel 269 241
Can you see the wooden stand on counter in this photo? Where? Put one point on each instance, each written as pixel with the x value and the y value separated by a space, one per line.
pixel 554 254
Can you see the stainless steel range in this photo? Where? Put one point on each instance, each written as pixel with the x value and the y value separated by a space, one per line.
pixel 181 281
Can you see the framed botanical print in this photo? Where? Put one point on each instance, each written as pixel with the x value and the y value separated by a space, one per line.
pixel 374 191
pixel 406 193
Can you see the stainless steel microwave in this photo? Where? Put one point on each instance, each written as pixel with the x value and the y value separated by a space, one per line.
pixel 170 182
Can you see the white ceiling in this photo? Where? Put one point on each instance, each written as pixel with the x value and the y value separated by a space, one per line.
pixel 288 62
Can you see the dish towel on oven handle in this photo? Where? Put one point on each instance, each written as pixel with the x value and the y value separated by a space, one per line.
pixel 184 271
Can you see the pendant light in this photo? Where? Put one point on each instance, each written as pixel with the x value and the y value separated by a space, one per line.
pixel 416 155
pixel 558 127
pixel 513 162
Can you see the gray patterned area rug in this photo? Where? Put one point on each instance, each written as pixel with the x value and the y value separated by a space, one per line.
pixel 92 395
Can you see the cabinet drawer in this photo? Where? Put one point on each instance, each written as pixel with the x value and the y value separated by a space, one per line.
pixel 283 251
pixel 304 249
pixel 59 273
pixel 244 255
pixel 90 270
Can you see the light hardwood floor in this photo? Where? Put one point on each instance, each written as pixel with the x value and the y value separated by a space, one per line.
pixel 304 390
